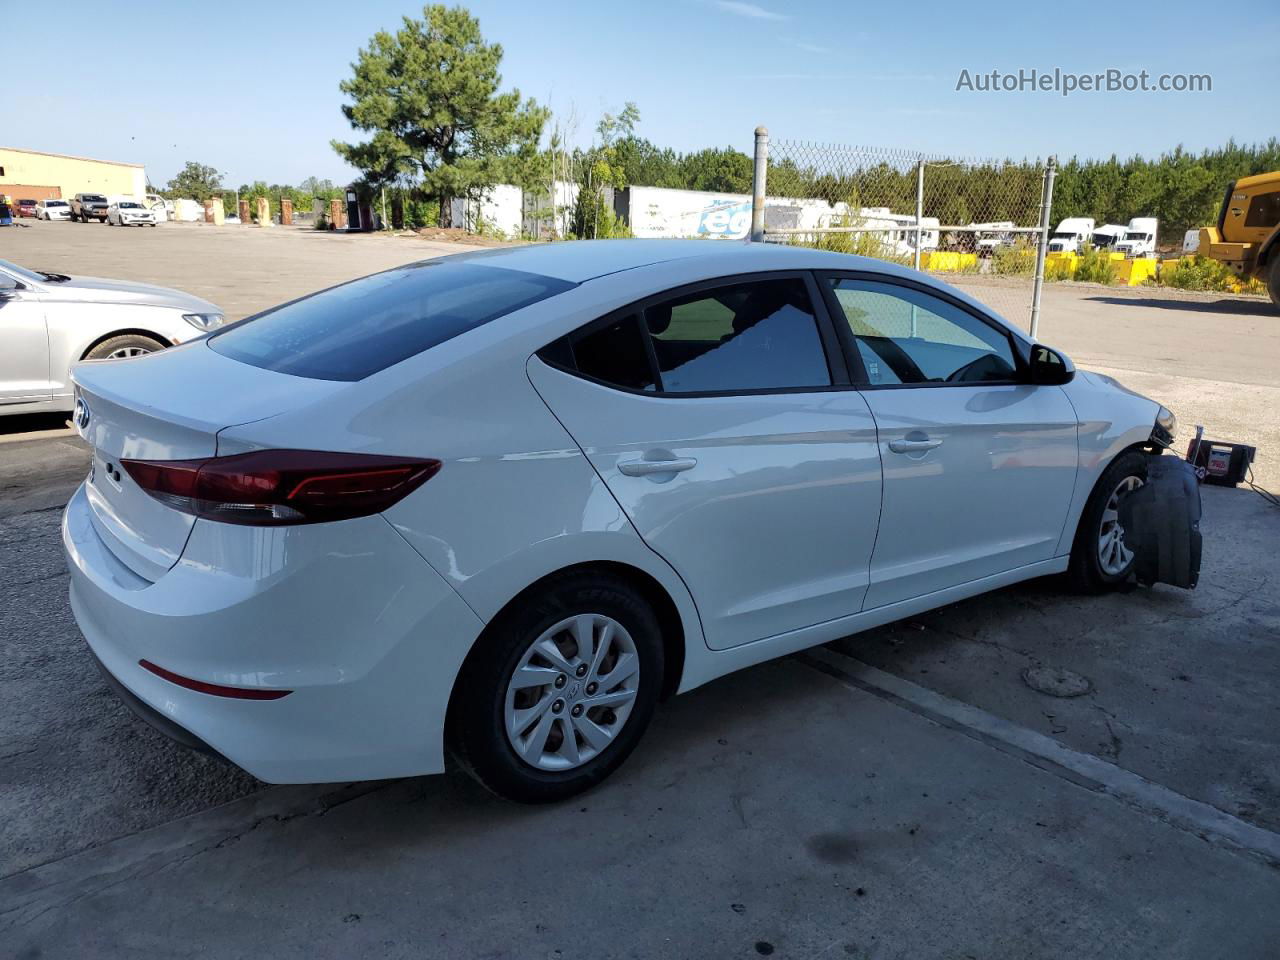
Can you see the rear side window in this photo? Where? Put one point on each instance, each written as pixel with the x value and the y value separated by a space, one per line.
pixel 739 337
pixel 615 353
pixel 354 330
pixel 761 335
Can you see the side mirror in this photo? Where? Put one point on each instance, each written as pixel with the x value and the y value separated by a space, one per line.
pixel 1049 368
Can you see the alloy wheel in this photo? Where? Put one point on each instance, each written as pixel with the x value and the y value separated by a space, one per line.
pixel 1113 556
pixel 126 352
pixel 572 692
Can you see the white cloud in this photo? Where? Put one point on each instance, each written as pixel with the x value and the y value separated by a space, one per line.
pixel 740 9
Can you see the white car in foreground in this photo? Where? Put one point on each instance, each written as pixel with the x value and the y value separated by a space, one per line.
pixel 128 213
pixel 503 503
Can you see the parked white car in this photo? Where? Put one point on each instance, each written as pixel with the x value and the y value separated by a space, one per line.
pixel 129 213
pixel 504 503
pixel 48 321
pixel 53 210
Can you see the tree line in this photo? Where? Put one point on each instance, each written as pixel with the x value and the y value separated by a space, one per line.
pixel 438 126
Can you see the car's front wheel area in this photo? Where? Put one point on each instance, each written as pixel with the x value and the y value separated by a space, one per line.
pixel 559 690
pixel 1100 558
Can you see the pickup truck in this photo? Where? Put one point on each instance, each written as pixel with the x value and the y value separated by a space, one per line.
pixel 89 206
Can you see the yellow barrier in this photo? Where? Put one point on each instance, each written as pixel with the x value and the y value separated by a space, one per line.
pixel 1133 273
pixel 948 260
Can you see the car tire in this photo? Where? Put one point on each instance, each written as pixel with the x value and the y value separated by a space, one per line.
pixel 1273 277
pixel 1099 560
pixel 124 345
pixel 490 708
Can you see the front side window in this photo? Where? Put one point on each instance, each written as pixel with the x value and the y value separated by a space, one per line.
pixel 905 336
pixel 756 335
pixel 354 330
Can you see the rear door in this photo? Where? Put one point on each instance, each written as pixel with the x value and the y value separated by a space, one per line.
pixel 722 420
pixel 979 466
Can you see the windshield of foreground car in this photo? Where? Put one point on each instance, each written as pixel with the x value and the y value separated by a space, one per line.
pixel 354 330
pixel 55 203
pixel 94 198
pixel 130 206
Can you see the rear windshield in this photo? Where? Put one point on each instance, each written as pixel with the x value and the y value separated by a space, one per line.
pixel 354 330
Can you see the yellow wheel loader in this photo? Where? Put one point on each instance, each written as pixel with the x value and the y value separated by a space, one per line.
pixel 1247 236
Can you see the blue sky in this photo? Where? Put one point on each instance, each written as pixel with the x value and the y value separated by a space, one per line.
pixel 263 103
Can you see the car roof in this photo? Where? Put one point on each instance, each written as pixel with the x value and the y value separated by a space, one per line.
pixel 581 261
pixel 585 260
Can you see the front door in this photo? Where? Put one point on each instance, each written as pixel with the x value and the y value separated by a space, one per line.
pixel 979 466
pixel 24 345
pixel 715 421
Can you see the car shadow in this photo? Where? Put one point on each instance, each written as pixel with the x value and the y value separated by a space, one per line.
pixel 1244 308
pixel 31 422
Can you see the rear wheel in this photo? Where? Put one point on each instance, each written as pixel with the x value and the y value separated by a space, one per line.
pixel 559 689
pixel 1100 559
pixel 124 346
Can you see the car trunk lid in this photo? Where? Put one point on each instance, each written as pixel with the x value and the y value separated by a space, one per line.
pixel 166 406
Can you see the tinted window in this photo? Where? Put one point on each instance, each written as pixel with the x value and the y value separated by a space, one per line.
pixel 359 328
pixel 615 353
pixel 1264 210
pixel 905 336
pixel 745 336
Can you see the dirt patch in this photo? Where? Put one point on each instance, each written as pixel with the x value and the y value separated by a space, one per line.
pixel 458 235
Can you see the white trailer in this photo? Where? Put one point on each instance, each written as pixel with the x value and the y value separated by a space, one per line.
pixel 498 209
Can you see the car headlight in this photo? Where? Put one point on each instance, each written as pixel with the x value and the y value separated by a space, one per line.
pixel 204 321
pixel 1165 427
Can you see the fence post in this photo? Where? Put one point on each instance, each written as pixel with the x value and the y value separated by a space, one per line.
pixel 1046 205
pixel 919 208
pixel 758 184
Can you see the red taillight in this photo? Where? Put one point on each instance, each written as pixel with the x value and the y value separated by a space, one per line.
pixel 214 689
pixel 278 487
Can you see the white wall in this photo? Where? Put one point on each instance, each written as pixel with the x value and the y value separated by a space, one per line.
pixel 662 212
pixel 501 207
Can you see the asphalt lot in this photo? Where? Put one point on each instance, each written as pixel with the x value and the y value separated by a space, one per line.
pixel 902 793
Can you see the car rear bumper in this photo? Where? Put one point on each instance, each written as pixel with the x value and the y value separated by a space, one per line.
pixel 346 616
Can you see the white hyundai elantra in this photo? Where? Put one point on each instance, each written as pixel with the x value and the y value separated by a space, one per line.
pixel 502 503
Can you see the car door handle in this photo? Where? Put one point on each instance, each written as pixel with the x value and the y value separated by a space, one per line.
pixel 913 446
pixel 647 468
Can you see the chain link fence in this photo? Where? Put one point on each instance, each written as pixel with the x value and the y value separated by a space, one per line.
pixel 981 225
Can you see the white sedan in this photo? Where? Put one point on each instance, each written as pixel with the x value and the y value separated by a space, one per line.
pixel 53 210
pixel 128 213
pixel 502 504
